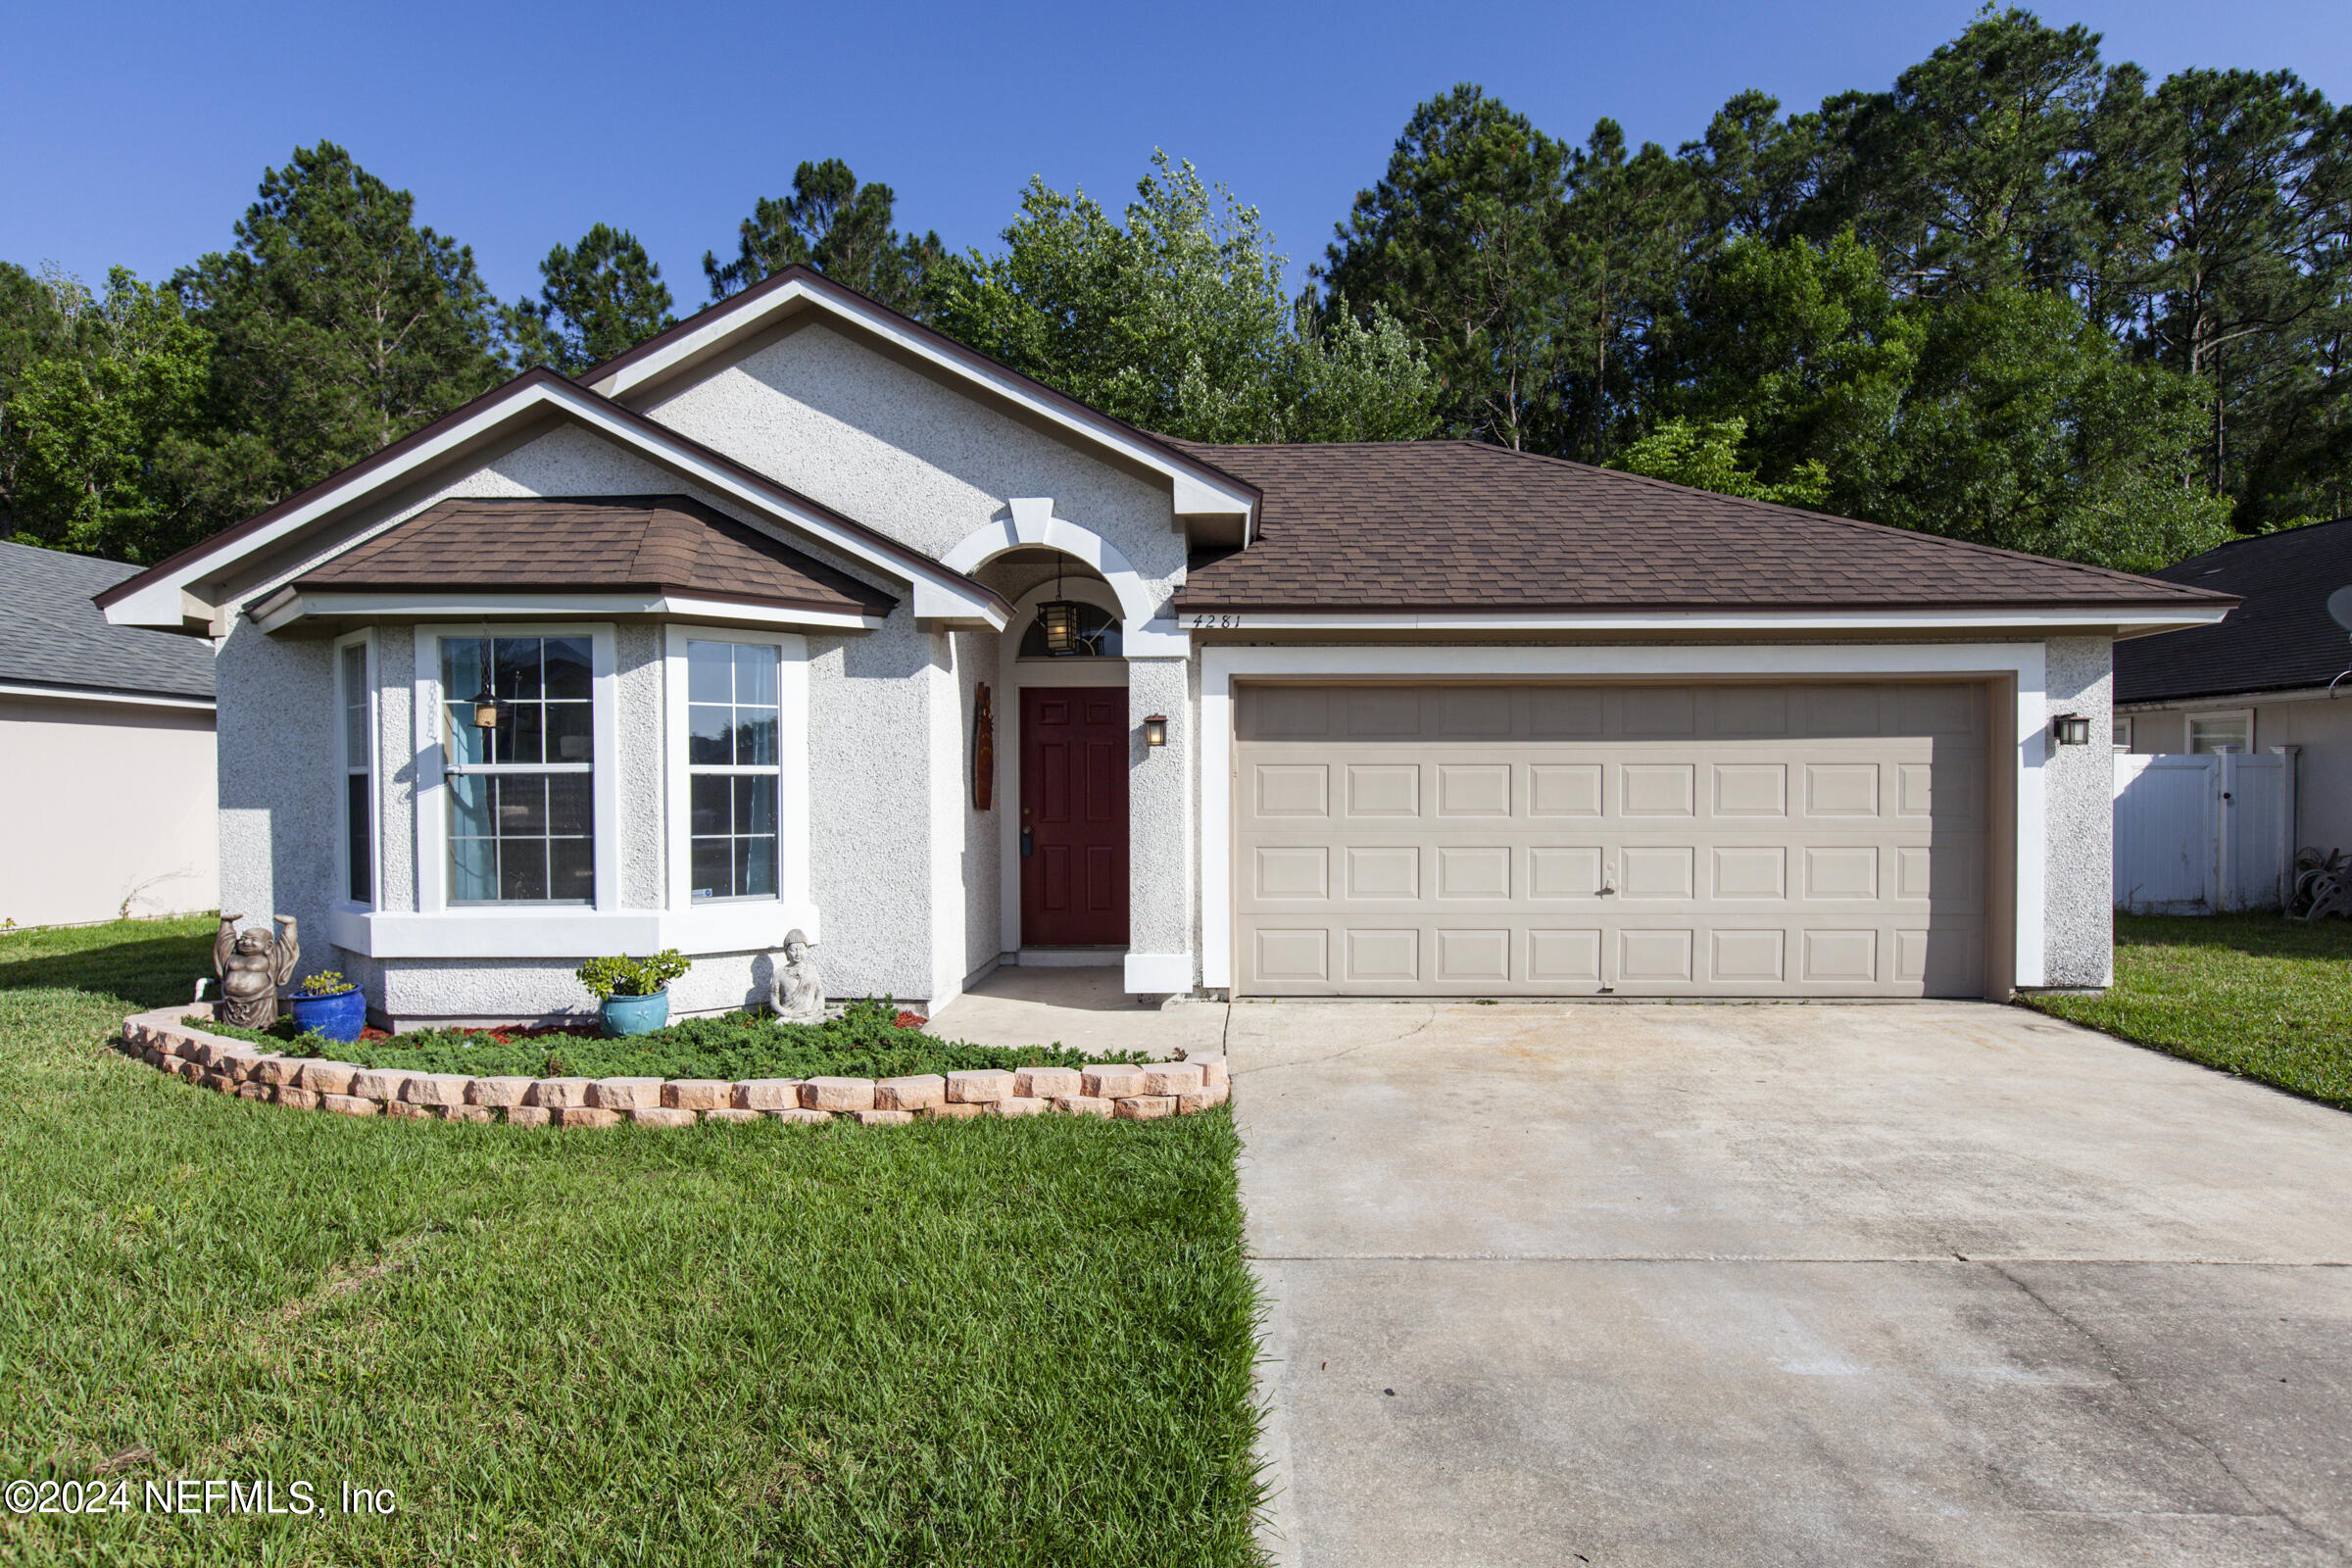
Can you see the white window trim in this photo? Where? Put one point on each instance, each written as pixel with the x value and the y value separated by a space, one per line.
pixel 432 806
pixel 2026 663
pixel 791 906
pixel 2190 718
pixel 344 764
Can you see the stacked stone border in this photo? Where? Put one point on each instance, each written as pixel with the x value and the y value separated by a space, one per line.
pixel 1145 1093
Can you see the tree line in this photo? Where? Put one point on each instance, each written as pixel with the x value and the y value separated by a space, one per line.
pixel 2022 297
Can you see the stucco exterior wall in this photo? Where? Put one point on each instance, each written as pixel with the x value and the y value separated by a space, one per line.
pixel 1159 807
pixel 2079 806
pixel 279 807
pixel 110 810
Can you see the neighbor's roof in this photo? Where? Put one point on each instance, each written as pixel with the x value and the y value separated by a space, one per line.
pixel 52 635
pixel 1461 525
pixel 2279 638
pixel 593 544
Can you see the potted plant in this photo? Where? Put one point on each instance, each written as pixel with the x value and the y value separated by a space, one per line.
pixel 632 993
pixel 327 1004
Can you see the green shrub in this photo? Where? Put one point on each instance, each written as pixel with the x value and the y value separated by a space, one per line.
pixel 326 983
pixel 626 976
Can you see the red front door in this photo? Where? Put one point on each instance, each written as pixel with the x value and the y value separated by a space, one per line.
pixel 1073 816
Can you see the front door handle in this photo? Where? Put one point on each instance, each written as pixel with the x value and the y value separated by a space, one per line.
pixel 1028 843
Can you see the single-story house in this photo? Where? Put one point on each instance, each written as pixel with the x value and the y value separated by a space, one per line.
pixel 2274 675
pixel 107 779
pixel 802 615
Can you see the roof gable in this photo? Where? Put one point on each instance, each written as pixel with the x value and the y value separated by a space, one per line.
pixel 162 595
pixel 717 337
pixel 1463 527
pixel 2279 639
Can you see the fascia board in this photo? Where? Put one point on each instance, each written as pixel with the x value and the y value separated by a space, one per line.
pixel 2141 620
pixel 283 608
pixel 1196 494
pixel 85 694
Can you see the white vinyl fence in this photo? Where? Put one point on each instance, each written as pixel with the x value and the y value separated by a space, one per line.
pixel 2200 835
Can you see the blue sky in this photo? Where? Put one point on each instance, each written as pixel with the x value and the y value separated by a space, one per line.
pixel 136 132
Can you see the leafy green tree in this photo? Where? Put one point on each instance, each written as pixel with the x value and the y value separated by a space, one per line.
pixel 1175 320
pixel 1461 241
pixel 1628 233
pixel 1706 456
pixel 339 325
pixel 597 299
pixel 99 416
pixel 844 229
pixel 32 328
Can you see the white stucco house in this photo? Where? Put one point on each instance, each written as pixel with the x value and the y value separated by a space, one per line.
pixel 106 752
pixel 692 650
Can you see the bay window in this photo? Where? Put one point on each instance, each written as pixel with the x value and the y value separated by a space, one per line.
pixel 354 708
pixel 731 753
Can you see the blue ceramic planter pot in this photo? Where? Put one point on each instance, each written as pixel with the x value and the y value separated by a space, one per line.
pixel 338 1015
pixel 635 1015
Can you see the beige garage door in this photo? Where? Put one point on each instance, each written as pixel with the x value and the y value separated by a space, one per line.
pixel 1723 839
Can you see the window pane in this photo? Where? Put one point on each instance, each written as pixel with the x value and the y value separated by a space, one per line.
pixel 756 737
pixel 755 805
pixel 521 807
pixel 709 815
pixel 756 868
pixel 755 675
pixel 473 869
pixel 708 742
pixel 571 870
pixel 523 869
pixel 467 745
pixel 461 669
pixel 520 737
pixel 355 704
pixel 569 732
pixel 571 805
pixel 518 667
pixel 2208 735
pixel 469 806
pixel 709 672
pixel 713 868
pixel 566 670
pixel 356 838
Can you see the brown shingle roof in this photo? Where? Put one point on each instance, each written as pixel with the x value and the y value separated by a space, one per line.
pixel 594 544
pixel 1465 527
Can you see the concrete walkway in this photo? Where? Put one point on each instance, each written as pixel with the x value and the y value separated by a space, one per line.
pixel 1792 1285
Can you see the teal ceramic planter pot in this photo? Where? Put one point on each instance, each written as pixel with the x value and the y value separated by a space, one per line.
pixel 337 1015
pixel 635 1015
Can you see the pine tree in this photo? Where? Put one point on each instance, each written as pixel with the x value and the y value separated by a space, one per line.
pixel 597 299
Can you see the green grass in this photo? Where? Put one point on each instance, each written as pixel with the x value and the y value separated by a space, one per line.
pixel 865 1042
pixel 989 1341
pixel 2254 993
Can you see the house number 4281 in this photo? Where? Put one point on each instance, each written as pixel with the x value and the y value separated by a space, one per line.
pixel 1215 622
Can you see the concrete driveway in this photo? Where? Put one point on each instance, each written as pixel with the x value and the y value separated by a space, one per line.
pixel 1807 1285
pixel 1804 1285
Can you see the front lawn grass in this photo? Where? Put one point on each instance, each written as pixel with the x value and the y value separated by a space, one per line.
pixel 2253 993
pixel 987 1342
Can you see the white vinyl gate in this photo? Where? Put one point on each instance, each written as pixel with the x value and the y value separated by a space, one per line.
pixel 2203 834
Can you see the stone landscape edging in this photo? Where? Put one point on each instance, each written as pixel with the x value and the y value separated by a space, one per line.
pixel 165 1040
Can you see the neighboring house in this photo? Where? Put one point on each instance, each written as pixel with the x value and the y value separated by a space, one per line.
pixel 106 752
pixel 1433 718
pixel 2262 680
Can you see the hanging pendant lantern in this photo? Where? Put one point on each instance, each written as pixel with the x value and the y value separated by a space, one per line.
pixel 488 712
pixel 1059 619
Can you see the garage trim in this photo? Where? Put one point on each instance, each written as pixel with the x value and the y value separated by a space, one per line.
pixel 2023 663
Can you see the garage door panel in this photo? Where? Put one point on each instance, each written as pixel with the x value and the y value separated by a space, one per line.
pixel 1749 839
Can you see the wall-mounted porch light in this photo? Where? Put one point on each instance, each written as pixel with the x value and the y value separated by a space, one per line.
pixel 1156 730
pixel 2068 729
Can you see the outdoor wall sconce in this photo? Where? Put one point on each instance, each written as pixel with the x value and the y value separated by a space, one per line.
pixel 1156 730
pixel 2069 730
